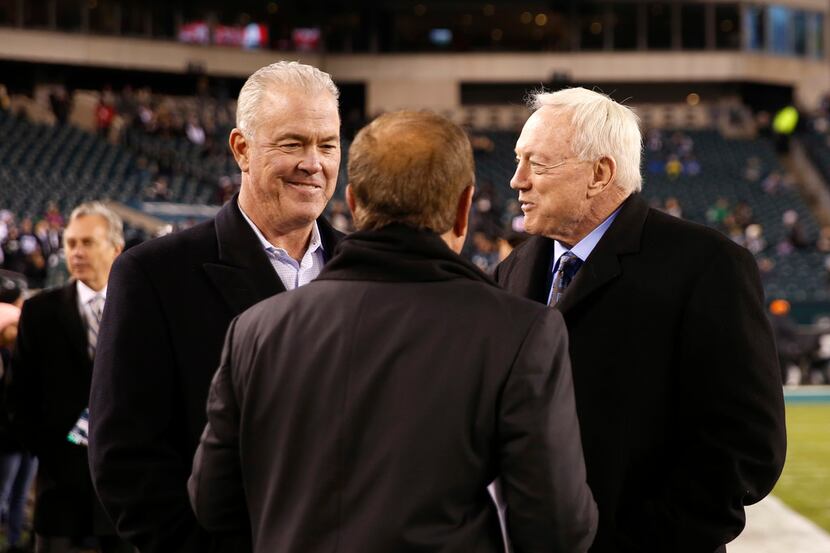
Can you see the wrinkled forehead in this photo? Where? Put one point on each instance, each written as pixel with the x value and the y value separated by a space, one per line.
pixel 548 129
pixel 294 111
pixel 291 97
pixel 284 99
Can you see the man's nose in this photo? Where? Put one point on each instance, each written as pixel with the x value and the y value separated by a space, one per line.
pixel 310 163
pixel 519 180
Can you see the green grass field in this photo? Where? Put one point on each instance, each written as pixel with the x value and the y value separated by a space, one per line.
pixel 805 483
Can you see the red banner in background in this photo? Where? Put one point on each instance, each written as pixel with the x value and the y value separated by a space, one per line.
pixel 306 39
pixel 251 36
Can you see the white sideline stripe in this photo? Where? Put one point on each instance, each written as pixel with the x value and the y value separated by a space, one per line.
pixel 772 527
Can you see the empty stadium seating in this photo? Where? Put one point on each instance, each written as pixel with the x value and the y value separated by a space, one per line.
pixel 39 163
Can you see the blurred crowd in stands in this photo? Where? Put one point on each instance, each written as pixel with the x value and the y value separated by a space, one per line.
pixel 32 246
pixel 671 155
pixel 170 137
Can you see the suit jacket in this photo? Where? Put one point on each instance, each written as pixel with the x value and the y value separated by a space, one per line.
pixel 432 383
pixel 169 304
pixel 49 388
pixel 677 383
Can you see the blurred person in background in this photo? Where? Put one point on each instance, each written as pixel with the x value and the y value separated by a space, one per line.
pixel 795 233
pixel 510 242
pixel 677 382
pixel 485 252
pixel 790 349
pixel 409 409
pixel 171 300
pixel 48 394
pixel 17 466
pixel 672 207
pixel 13 257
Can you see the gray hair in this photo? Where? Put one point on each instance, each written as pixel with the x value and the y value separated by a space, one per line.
pixel 602 127
pixel 115 227
pixel 305 78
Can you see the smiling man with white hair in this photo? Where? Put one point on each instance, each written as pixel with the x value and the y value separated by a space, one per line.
pixel 172 299
pixel 675 372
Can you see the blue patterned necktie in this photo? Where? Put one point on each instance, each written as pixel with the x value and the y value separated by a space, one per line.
pixel 569 264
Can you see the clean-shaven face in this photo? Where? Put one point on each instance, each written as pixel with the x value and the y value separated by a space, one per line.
pixel 89 251
pixel 294 155
pixel 551 181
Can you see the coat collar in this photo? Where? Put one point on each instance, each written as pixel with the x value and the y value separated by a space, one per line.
pixel 623 237
pixel 243 274
pixel 399 253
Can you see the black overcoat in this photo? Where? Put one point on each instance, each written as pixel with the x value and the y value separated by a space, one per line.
pixel 676 376
pixel 49 387
pixel 169 304
pixel 369 410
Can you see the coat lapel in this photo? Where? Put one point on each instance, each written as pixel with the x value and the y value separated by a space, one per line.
pixel 329 236
pixel 244 275
pixel 603 265
pixel 72 323
pixel 531 270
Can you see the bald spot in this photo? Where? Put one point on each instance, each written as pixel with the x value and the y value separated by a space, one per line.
pixel 402 146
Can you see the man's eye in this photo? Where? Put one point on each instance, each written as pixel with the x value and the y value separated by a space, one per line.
pixel 291 145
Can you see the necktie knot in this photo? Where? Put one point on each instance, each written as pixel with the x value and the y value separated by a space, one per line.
pixel 96 306
pixel 569 264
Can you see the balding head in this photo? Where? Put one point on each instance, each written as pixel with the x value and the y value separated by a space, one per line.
pixel 409 167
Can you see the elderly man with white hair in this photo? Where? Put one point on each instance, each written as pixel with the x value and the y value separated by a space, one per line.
pixel 172 299
pixel 675 372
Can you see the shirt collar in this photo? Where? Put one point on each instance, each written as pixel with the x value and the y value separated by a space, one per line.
pixel 85 293
pixel 584 247
pixel 316 243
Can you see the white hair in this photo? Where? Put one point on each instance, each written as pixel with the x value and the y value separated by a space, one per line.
pixel 115 227
pixel 290 74
pixel 602 127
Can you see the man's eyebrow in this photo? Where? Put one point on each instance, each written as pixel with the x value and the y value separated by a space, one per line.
pixel 304 138
pixel 292 136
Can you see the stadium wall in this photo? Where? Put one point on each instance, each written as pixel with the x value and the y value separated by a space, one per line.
pixel 426 80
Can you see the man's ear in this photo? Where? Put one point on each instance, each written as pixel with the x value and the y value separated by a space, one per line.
pixel 350 201
pixel 604 172
pixel 462 214
pixel 239 147
pixel 454 237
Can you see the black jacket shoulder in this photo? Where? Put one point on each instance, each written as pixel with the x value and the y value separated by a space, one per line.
pixel 687 232
pixel 46 300
pixel 195 241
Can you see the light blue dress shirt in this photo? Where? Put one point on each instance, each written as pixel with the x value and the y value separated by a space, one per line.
pixel 581 249
pixel 291 273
